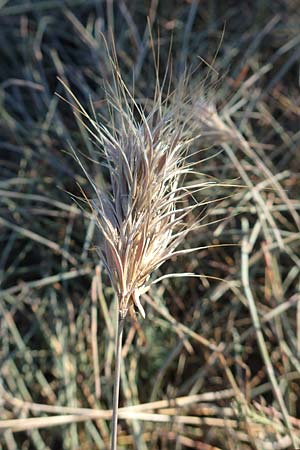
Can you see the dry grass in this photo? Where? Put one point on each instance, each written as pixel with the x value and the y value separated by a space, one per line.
pixel 215 363
pixel 144 212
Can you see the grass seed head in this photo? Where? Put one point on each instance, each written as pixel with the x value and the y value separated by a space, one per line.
pixel 144 213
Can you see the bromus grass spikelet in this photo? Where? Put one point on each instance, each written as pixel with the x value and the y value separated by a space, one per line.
pixel 145 212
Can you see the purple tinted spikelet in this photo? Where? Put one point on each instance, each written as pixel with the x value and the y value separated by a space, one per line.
pixel 142 216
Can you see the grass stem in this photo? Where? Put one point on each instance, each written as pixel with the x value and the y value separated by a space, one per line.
pixel 120 328
pixel 259 333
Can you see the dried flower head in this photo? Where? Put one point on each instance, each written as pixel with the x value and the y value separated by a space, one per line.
pixel 142 216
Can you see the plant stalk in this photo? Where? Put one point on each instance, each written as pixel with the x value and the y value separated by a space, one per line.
pixel 120 328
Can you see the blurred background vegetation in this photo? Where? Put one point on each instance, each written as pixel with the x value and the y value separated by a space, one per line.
pixel 222 355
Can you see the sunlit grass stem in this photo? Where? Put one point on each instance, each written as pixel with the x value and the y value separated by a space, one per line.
pixel 119 338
